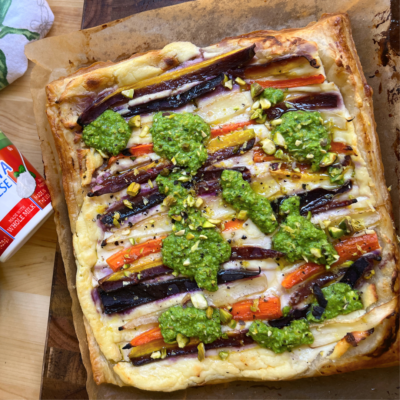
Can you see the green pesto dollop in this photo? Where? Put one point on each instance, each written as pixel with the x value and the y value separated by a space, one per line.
pixel 299 239
pixel 180 138
pixel 108 133
pixel 239 194
pixel 342 299
pixel 190 322
pixel 191 250
pixel 280 340
pixel 306 137
pixel 273 95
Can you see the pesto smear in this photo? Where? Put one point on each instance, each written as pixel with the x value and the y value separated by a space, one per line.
pixel 239 194
pixel 342 299
pixel 280 340
pixel 193 249
pixel 190 322
pixel 108 133
pixel 273 95
pixel 306 138
pixel 299 239
pixel 180 138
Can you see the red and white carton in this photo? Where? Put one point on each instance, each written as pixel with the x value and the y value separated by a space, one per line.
pixel 24 199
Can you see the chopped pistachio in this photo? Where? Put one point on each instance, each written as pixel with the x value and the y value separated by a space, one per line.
pixel 163 353
pixel 135 122
pixel 201 352
pixel 133 189
pixel 169 200
pixel 190 201
pixel 144 132
pixel 195 246
pixel 265 103
pixel 232 324
pixel 125 266
pixel 255 105
pixel 240 81
pixel 268 146
pixel 132 241
pixel 204 237
pixel 155 355
pixel 225 316
pixel 189 236
pixel 335 233
pixel 128 204
pixel 316 252
pixel 209 312
pixel 199 301
pixel 180 233
pixel 199 202
pixel 229 84
pixel 215 221
pixel 127 274
pixel 128 93
pixel 256 89
pixel 223 355
pixel 328 159
pixel 257 114
pixel 104 155
pixel 116 223
pixel 279 140
pixel 208 224
pixel 177 217
pixel 182 340
pixel 242 215
pixel 276 122
pixel 279 153
pixel 186 262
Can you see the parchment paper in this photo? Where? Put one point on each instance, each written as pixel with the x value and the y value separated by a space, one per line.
pixel 205 22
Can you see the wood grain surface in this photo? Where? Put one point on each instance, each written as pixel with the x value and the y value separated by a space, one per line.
pixel 97 12
pixel 26 279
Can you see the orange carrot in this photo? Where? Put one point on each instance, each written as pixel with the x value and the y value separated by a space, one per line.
pixel 141 149
pixel 224 129
pixel 300 274
pixel 267 308
pixel 147 337
pixel 126 256
pixel 341 148
pixel 353 248
pixel 260 156
pixel 233 225
pixel 295 82
pixel 135 152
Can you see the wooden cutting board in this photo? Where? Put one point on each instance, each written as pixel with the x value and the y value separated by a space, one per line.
pixel 64 375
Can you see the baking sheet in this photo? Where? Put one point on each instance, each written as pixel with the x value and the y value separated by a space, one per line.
pixel 375 36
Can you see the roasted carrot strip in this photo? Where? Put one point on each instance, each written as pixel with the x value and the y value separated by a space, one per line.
pixel 300 274
pixel 295 82
pixel 233 225
pixel 141 149
pixel 341 148
pixel 260 156
pixel 353 248
pixel 126 256
pixel 147 337
pixel 135 152
pixel 224 129
pixel 267 308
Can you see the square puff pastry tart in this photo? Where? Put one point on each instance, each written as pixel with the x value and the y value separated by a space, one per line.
pixel 120 213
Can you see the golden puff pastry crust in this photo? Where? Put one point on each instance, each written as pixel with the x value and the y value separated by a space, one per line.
pixel 328 40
